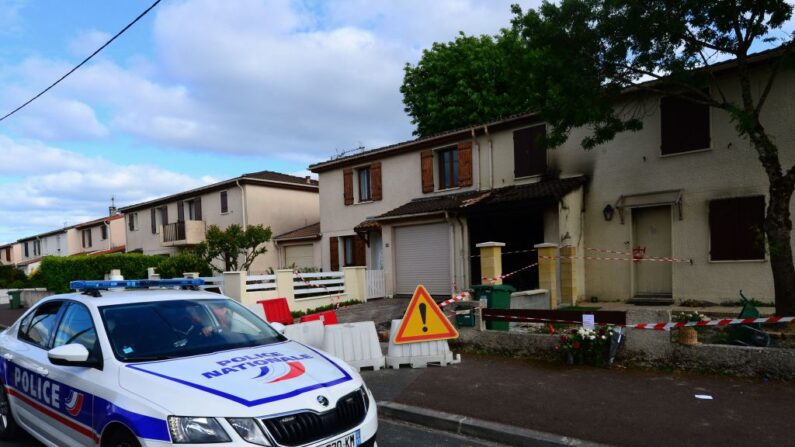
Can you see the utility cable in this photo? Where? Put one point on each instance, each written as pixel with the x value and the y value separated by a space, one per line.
pixel 129 25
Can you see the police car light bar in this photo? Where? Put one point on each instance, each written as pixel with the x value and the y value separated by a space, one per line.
pixel 135 284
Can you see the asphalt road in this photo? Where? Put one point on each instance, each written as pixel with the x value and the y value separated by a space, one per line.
pixel 390 434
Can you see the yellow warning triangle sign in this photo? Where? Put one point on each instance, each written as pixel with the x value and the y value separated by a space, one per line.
pixel 424 320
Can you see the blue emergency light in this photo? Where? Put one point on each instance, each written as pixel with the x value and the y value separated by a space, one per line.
pixel 135 284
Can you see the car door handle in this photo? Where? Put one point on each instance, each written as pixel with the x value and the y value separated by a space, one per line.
pixel 42 371
pixel 8 356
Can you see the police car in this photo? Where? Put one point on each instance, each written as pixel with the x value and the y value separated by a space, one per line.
pixel 160 366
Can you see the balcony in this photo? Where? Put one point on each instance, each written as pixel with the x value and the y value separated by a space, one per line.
pixel 177 234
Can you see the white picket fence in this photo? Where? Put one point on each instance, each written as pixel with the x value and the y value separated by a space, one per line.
pixel 260 282
pixel 375 284
pixel 306 285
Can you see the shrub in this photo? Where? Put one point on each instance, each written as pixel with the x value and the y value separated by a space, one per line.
pixel 56 272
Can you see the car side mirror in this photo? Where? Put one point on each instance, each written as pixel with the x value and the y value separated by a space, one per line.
pixel 278 327
pixel 73 354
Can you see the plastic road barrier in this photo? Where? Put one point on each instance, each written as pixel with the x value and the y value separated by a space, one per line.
pixel 277 311
pixel 311 333
pixel 327 317
pixel 356 343
pixel 419 354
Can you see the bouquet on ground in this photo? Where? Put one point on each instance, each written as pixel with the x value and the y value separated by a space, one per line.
pixel 585 345
pixel 688 336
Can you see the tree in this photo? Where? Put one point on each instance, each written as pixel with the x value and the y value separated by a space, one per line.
pixel 584 56
pixel 468 81
pixel 233 244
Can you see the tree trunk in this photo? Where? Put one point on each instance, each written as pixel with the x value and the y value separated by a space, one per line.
pixel 778 228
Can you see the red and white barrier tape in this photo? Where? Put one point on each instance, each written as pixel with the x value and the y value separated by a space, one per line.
pixel 335 300
pixel 599 258
pixel 452 300
pixel 515 252
pixel 664 326
pixel 604 250
pixel 508 275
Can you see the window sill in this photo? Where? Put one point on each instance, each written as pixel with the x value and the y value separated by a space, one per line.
pixel 679 154
pixel 529 177
pixel 363 203
pixel 454 188
pixel 738 261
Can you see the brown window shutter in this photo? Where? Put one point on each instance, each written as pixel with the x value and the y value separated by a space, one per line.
pixel 359 255
pixel 347 185
pixel 197 204
pixel 334 253
pixel 426 170
pixel 180 211
pixel 375 176
pixel 465 163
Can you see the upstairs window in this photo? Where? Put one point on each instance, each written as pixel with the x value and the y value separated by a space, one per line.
pixel 27 252
pixel 8 254
pixel 529 153
pixel 132 221
pixel 103 231
pixel 684 126
pixel 365 185
pixel 224 202
pixel 447 161
pixel 87 238
pixel 37 247
pixel 735 229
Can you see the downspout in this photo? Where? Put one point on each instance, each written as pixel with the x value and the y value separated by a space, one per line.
pixel 477 143
pixel 110 235
pixel 464 255
pixel 452 254
pixel 243 207
pixel 491 157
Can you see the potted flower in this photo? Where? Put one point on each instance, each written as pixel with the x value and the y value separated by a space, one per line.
pixel 688 336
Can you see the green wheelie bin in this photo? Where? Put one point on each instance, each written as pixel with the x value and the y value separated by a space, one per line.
pixel 14 299
pixel 497 296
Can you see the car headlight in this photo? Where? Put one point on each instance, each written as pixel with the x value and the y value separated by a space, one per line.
pixel 196 430
pixel 248 429
pixel 365 398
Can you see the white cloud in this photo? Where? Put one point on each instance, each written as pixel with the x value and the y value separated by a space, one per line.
pixel 57 185
pixel 87 42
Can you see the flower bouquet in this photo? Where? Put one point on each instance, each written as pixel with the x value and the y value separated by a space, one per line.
pixel 688 336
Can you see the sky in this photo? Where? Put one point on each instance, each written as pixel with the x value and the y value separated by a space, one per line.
pixel 200 91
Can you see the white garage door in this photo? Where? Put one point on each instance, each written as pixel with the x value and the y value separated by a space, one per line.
pixel 300 255
pixel 422 254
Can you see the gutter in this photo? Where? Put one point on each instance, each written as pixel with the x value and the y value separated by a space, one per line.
pixel 407 216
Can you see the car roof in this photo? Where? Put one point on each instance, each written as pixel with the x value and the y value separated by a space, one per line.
pixel 128 296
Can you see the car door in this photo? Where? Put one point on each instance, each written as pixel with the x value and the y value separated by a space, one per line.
pixel 32 395
pixel 77 384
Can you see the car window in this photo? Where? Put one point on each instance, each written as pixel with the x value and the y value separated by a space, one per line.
pixel 179 328
pixel 39 325
pixel 77 327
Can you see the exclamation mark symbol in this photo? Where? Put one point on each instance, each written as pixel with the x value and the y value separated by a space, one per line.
pixel 423 307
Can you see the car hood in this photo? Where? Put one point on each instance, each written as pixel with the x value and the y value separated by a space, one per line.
pixel 258 381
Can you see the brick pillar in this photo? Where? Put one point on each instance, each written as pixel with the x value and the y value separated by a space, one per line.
pixel 490 261
pixel 548 277
pixel 568 282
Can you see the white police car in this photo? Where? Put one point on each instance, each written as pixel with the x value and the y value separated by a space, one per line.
pixel 167 366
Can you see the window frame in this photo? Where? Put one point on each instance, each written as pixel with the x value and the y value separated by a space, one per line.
pixel 224 197
pixel 536 172
pixel 37 247
pixel 710 231
pixel 346 241
pixel 86 237
pixel 50 337
pixel 190 209
pixel 443 171
pixel 103 231
pixel 366 173
pixel 690 151
pixel 95 358
pixel 133 224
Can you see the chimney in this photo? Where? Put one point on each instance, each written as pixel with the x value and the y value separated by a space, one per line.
pixel 308 179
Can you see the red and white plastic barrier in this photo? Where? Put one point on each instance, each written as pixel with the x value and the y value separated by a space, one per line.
pixel 508 275
pixel 452 300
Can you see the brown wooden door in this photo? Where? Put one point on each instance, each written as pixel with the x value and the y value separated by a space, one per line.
pixel 651 228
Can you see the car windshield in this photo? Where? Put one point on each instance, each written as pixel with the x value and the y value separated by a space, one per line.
pixel 180 328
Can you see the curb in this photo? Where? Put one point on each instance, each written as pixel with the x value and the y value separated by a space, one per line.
pixel 477 428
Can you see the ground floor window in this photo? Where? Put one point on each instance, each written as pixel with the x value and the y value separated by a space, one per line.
pixel 735 229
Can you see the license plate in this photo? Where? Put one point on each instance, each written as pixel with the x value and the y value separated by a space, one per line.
pixel 350 440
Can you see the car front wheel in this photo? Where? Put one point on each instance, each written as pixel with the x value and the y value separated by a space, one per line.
pixel 121 438
pixel 8 426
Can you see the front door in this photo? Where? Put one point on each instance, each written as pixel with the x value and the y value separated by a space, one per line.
pixel 651 228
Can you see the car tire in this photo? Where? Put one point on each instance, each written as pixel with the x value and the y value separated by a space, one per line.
pixel 121 438
pixel 9 430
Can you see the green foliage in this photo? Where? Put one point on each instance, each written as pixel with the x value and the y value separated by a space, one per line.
pixel 468 81
pixel 56 272
pixel 13 278
pixel 301 313
pixel 233 244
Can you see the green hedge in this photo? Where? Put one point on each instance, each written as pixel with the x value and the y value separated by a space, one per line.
pixel 56 272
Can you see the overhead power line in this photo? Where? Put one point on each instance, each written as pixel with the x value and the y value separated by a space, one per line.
pixel 129 25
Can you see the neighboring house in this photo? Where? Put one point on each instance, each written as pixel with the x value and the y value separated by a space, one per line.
pixel 686 186
pixel 102 236
pixel 61 242
pixel 167 225
pixel 300 248
pixel 10 253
